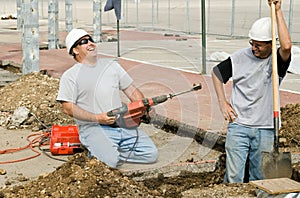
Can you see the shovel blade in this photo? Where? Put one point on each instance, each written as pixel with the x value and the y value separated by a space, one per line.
pixel 276 165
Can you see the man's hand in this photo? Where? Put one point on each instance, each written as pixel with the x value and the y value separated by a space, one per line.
pixel 276 2
pixel 228 112
pixel 81 114
pixel 104 119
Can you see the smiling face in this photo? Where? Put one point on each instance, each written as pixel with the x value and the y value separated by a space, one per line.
pixel 84 49
pixel 261 49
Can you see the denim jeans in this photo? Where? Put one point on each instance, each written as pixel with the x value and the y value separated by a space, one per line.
pixel 242 141
pixel 114 145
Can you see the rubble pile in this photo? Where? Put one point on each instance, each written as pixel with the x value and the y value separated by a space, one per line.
pixel 34 93
pixel 85 177
pixel 290 125
pixel 81 177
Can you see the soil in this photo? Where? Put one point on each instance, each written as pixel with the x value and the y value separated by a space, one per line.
pixel 85 177
pixel 81 176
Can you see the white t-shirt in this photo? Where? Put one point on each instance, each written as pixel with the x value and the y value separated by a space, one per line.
pixel 94 88
pixel 251 96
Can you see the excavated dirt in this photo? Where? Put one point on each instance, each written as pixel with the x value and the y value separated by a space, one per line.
pixel 85 177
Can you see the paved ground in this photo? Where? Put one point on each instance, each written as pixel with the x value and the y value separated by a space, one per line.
pixel 159 64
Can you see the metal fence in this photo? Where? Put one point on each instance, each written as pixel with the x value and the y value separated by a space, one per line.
pixel 229 18
pixel 223 17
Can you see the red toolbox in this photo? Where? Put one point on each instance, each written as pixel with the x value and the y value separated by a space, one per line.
pixel 64 140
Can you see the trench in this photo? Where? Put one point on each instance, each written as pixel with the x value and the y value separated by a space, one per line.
pixel 172 180
pixel 185 130
pixel 192 175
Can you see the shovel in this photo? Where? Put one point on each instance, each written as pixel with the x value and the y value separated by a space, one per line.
pixel 275 164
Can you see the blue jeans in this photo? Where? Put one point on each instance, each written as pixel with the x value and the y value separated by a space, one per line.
pixel 114 145
pixel 242 141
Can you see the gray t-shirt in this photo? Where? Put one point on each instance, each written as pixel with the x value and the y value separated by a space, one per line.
pixel 251 96
pixel 94 88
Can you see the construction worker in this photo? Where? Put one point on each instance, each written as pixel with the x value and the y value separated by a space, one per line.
pixel 250 110
pixel 91 88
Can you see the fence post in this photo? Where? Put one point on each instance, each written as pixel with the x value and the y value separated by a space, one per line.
pixel 188 16
pixel 30 39
pixel 137 13
pixel 53 24
pixel 203 36
pixel 42 10
pixel 232 17
pixel 208 16
pixel 259 14
pixel 97 20
pixel 69 15
pixel 152 14
pixel 19 18
pixel 125 12
pixel 169 15
pixel 290 17
pixel 157 11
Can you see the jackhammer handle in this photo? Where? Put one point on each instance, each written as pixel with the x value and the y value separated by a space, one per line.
pixel 118 111
pixel 197 87
pixel 110 114
pixel 159 99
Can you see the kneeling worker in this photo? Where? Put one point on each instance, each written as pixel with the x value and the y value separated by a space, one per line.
pixel 91 88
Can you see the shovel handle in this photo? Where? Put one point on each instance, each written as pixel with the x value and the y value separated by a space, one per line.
pixel 274 60
pixel 275 80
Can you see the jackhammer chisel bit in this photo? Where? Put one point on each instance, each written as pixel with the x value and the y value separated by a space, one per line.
pixel 163 98
pixel 194 88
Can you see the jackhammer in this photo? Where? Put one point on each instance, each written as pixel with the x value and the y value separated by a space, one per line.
pixel 130 115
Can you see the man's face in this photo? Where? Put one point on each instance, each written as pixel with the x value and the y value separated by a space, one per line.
pixel 261 49
pixel 85 47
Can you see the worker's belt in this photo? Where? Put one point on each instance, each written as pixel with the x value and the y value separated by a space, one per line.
pixel 121 124
pixel 114 125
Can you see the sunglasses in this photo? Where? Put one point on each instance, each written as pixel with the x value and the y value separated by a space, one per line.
pixel 259 46
pixel 84 41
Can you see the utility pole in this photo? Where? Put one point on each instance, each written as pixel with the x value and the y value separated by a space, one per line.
pixel 19 18
pixel 203 24
pixel 97 20
pixel 53 42
pixel 30 39
pixel 69 15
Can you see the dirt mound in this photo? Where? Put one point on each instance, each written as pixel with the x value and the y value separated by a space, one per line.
pixel 81 177
pixel 85 177
pixel 37 93
pixel 290 125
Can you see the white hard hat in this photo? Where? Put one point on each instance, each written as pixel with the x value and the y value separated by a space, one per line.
pixel 261 30
pixel 73 36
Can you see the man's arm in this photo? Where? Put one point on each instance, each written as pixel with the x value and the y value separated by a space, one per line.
pixel 75 111
pixel 283 33
pixel 226 108
pixel 133 93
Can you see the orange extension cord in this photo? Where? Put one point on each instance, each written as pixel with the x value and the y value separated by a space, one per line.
pixel 32 143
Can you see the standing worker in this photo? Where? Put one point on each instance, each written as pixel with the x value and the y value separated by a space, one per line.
pixel 91 88
pixel 250 110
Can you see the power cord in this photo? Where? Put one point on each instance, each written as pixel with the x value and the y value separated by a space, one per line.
pixel 41 143
pixel 130 151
